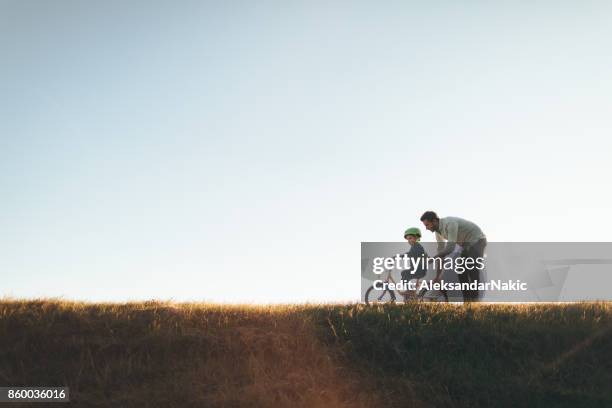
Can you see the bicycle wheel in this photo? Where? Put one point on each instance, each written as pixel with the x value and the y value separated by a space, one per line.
pixel 373 296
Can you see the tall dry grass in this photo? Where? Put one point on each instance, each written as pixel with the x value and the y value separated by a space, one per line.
pixel 175 355
pixel 163 354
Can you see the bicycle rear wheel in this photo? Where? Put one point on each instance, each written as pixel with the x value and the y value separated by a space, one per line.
pixel 374 296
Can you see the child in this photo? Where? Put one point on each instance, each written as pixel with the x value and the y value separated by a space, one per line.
pixel 417 257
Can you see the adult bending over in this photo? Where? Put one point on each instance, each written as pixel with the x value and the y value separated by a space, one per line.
pixel 458 231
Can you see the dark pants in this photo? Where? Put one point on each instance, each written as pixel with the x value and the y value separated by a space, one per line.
pixel 472 274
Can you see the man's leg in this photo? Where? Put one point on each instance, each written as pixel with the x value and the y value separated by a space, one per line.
pixel 475 251
pixel 464 278
pixel 474 277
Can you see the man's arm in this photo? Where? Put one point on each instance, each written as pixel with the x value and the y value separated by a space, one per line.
pixel 440 241
pixel 451 233
pixel 445 250
pixel 440 249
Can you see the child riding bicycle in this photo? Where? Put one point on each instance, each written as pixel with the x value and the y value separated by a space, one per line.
pixel 418 261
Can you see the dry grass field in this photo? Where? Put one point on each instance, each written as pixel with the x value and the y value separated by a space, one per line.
pixel 163 354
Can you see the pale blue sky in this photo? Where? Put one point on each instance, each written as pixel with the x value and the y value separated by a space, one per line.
pixel 241 151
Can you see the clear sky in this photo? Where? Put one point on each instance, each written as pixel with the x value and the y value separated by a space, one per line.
pixel 241 151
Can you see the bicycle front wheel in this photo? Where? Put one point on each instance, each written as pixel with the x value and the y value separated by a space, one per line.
pixel 374 296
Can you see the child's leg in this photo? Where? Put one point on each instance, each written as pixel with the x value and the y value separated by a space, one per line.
pixel 416 287
pixel 408 293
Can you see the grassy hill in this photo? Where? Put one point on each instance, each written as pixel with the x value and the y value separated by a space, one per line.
pixel 162 354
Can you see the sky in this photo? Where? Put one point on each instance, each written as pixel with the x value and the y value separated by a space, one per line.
pixel 241 151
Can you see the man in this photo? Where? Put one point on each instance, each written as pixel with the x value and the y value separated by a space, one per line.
pixel 457 231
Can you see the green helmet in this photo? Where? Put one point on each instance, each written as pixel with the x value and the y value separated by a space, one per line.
pixel 413 231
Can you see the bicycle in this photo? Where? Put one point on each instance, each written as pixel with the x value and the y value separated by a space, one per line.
pixel 386 295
